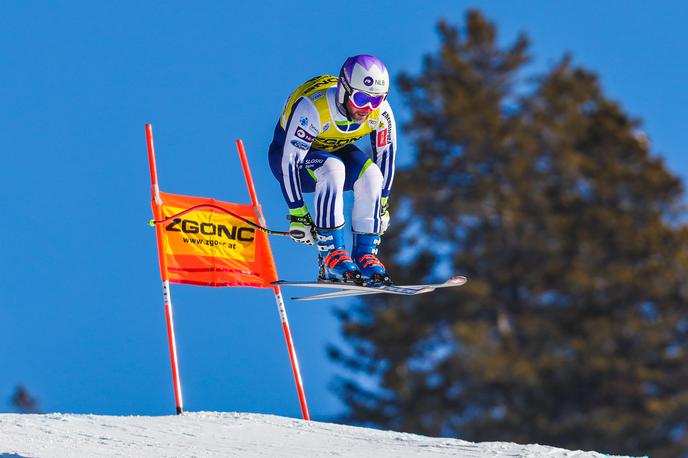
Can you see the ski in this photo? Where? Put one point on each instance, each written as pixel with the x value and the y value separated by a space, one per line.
pixel 347 290
pixel 392 289
pixel 351 293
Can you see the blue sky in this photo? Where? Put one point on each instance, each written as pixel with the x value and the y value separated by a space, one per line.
pixel 81 313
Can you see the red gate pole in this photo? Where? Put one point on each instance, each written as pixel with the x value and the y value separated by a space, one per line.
pixel 276 289
pixel 167 299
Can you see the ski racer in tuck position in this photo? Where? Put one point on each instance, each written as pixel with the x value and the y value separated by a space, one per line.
pixel 313 151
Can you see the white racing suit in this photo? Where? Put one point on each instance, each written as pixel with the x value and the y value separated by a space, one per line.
pixel 312 151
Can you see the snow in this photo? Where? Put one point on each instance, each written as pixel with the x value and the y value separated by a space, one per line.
pixel 214 434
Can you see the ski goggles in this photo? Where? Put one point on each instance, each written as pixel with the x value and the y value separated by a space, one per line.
pixel 361 99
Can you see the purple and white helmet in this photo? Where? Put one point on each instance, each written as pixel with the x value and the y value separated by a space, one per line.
pixel 364 73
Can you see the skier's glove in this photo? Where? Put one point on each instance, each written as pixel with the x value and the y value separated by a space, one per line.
pixel 301 229
pixel 384 214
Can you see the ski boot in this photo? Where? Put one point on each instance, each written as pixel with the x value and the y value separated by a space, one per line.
pixel 365 256
pixel 335 263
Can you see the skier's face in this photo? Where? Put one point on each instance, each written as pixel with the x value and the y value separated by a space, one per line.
pixel 361 104
pixel 358 114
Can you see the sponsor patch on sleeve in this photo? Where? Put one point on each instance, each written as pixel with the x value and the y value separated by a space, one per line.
pixel 303 135
pixel 300 145
pixel 382 138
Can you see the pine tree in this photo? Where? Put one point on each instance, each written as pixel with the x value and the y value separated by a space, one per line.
pixel 543 191
pixel 23 402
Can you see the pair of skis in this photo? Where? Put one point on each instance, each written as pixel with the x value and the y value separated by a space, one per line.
pixel 348 289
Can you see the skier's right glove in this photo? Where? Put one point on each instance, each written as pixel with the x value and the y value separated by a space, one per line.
pixel 384 214
pixel 301 229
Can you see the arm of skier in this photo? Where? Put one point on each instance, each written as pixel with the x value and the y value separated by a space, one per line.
pixel 384 144
pixel 300 131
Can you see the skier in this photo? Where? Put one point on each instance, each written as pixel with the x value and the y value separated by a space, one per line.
pixel 313 151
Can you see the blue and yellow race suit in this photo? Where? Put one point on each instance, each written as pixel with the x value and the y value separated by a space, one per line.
pixel 313 151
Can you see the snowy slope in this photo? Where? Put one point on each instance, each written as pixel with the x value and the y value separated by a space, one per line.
pixel 212 434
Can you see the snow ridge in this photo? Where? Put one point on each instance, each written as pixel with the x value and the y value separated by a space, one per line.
pixel 216 434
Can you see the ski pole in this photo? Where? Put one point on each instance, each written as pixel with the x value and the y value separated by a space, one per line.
pixel 222 210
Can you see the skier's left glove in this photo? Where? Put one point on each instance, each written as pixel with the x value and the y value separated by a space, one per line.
pixel 384 214
pixel 301 229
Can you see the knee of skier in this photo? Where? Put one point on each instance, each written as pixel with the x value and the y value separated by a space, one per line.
pixel 332 171
pixel 370 180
